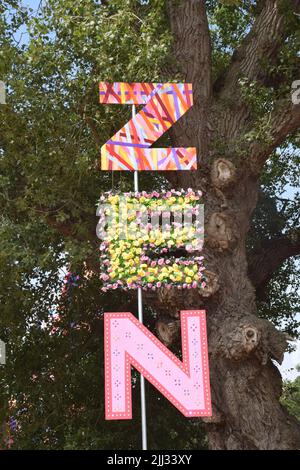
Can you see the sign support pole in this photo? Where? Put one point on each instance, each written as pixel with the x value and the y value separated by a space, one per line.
pixel 140 316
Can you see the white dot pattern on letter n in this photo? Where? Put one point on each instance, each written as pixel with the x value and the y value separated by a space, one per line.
pixel 185 384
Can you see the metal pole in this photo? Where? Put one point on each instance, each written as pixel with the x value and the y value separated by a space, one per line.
pixel 140 314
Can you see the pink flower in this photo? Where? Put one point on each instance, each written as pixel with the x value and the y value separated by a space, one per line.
pixel 161 261
pixel 153 263
pixel 149 285
pixel 168 194
pixel 194 285
pixel 158 284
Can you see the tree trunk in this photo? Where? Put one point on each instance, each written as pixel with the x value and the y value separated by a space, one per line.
pixel 246 385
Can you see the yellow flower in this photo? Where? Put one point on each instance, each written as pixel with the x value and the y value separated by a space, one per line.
pixel 188 280
pixel 171 200
pixel 113 199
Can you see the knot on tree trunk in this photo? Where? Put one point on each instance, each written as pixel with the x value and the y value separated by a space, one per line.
pixel 223 173
pixel 221 231
pixel 255 337
pixel 240 342
pixel 167 329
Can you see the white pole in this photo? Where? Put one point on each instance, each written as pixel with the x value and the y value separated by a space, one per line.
pixel 140 314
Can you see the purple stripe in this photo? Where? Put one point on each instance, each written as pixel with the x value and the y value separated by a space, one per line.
pixel 190 92
pixel 178 113
pixel 128 144
pixel 176 159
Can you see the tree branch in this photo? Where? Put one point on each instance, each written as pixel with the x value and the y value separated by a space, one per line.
pixel 265 262
pixel 192 45
pixel 259 48
pixel 192 51
pixel 284 120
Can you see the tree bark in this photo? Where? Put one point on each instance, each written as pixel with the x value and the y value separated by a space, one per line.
pixel 246 385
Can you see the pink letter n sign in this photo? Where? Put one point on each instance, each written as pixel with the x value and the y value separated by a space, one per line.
pixel 184 383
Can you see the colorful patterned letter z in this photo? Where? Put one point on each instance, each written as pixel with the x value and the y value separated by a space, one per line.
pixel 129 343
pixel 129 149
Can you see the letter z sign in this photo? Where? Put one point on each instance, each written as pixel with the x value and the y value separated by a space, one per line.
pixel 129 149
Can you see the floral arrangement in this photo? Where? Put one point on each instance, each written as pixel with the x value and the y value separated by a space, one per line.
pixel 137 253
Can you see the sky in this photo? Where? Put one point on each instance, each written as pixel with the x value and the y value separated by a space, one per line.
pixel 287 369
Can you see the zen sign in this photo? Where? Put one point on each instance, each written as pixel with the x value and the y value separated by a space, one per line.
pixel 152 259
